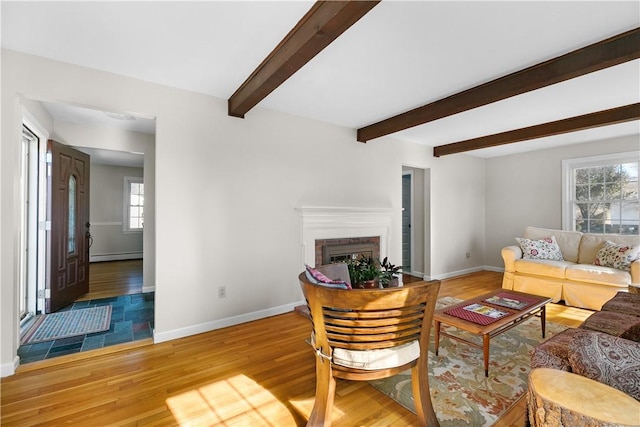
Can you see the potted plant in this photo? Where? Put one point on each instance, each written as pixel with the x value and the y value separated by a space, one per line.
pixel 364 272
pixel 389 274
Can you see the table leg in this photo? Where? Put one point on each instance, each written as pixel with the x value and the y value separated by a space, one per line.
pixel 543 319
pixel 437 337
pixel 485 350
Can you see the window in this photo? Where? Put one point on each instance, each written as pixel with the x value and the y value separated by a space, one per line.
pixel 601 194
pixel 133 204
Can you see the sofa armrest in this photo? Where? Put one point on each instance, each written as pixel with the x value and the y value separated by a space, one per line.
pixel 510 254
pixel 635 271
pixel 610 360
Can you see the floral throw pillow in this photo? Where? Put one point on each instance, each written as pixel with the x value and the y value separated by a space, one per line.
pixel 617 256
pixel 546 248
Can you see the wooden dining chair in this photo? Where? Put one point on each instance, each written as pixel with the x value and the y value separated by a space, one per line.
pixel 368 334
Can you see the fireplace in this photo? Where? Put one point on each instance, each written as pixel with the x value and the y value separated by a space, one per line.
pixel 329 251
pixel 367 229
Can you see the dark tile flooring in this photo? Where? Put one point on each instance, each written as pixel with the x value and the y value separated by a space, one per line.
pixel 131 320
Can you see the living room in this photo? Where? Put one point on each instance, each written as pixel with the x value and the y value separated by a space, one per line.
pixel 228 191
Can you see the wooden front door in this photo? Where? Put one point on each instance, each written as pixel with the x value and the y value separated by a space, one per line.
pixel 68 213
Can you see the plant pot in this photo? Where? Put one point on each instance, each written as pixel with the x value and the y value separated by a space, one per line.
pixel 368 284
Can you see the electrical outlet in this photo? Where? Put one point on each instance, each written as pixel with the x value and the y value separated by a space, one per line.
pixel 222 292
pixel 468 254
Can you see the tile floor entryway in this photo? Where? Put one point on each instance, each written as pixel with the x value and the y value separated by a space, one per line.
pixel 131 320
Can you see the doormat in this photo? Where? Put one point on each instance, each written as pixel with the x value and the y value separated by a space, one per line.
pixel 70 323
pixel 460 392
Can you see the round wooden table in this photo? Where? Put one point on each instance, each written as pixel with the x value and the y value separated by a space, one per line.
pixel 559 398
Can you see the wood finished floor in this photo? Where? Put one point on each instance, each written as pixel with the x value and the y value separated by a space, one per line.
pixel 259 373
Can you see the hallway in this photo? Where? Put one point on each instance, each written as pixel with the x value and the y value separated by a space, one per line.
pixel 115 283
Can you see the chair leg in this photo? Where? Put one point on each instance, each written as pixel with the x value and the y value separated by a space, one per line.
pixel 422 395
pixel 325 392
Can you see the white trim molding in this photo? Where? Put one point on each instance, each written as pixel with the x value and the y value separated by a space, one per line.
pixel 159 337
pixel 318 223
pixel 9 369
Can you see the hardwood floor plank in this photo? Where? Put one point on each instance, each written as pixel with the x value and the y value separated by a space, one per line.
pixel 257 373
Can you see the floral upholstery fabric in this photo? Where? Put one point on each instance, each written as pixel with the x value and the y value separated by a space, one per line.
pixel 546 248
pixel 610 360
pixel 554 353
pixel 604 348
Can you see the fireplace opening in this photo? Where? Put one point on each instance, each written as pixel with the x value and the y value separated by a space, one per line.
pixel 340 250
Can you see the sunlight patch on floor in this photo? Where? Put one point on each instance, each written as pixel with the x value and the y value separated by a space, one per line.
pixel 234 401
pixel 305 406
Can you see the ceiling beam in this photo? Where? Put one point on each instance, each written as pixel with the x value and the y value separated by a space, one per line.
pixel 613 116
pixel 606 53
pixel 321 25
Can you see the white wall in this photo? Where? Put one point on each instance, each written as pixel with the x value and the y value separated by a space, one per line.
pixel 526 189
pixel 226 193
pixel 110 241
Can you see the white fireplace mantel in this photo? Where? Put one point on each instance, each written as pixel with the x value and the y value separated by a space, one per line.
pixel 343 222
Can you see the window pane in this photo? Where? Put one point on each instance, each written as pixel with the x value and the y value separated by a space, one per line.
pixel 612 191
pixel 596 174
pixel 596 192
pixel 71 244
pixel 581 176
pixel 629 190
pixel 582 192
pixel 630 171
pixel 630 212
pixel 596 226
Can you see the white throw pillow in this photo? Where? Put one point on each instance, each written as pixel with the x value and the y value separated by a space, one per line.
pixel 546 248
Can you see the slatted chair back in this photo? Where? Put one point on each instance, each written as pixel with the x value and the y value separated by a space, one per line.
pixel 367 334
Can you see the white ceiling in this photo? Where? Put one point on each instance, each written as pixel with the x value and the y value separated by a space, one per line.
pixel 401 55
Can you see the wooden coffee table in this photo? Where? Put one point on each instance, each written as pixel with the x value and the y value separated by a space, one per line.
pixel 497 317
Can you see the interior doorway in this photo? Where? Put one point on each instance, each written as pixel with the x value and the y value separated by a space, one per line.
pixel 416 221
pixel 123 285
pixel 407 217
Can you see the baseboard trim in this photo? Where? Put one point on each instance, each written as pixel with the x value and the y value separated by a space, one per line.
pixel 115 257
pixel 8 369
pixel 159 337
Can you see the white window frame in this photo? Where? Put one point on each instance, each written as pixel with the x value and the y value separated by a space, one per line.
pixel 128 180
pixel 568 165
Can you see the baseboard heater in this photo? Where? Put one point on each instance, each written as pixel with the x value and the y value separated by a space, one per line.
pixel 115 257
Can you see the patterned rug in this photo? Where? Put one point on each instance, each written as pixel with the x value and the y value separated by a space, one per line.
pixel 461 394
pixel 70 323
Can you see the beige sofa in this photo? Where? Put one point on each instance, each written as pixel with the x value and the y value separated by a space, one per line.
pixel 576 280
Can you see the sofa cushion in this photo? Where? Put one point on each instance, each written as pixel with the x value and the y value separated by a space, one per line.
pixel 616 256
pixel 615 324
pixel 542 267
pixel 624 302
pixel 610 360
pixel 569 241
pixel 597 274
pixel 590 244
pixel 546 248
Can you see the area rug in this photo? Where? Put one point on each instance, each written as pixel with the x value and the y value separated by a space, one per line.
pixel 461 394
pixel 70 323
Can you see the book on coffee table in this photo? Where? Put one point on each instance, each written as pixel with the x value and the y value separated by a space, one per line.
pixel 507 302
pixel 485 310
